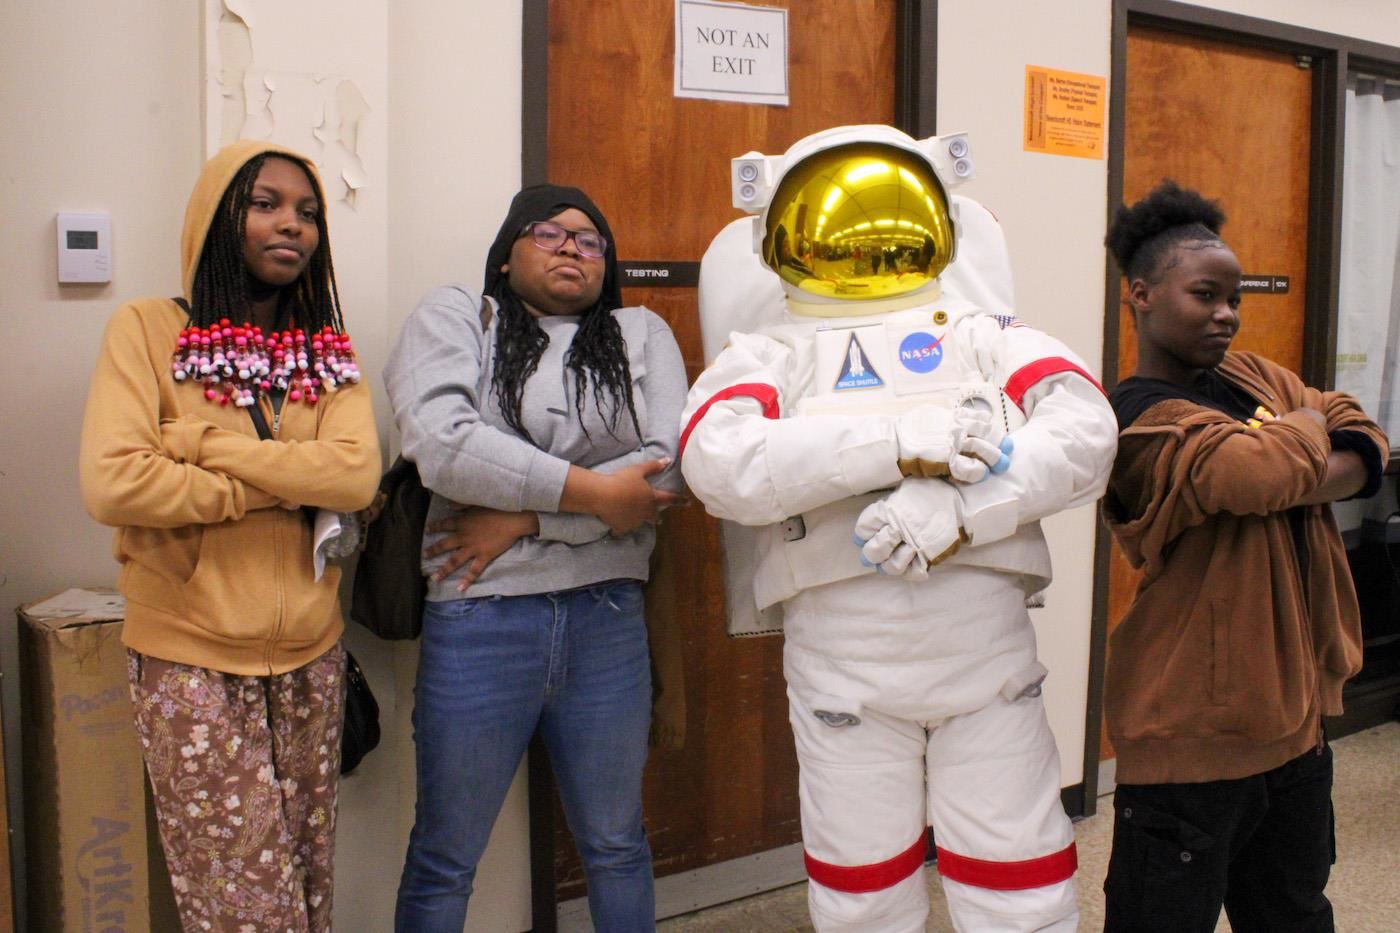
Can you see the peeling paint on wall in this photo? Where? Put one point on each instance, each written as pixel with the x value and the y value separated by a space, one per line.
pixel 242 9
pixel 235 47
pixel 353 108
pixel 319 113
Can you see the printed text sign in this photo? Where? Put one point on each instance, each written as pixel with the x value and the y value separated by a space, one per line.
pixel 1064 113
pixel 731 51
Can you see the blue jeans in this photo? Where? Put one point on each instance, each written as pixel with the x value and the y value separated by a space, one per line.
pixel 575 664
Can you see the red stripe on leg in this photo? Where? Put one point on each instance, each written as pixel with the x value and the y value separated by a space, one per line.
pixel 1009 876
pixel 862 879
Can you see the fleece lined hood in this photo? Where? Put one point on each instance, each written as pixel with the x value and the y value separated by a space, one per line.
pixel 209 189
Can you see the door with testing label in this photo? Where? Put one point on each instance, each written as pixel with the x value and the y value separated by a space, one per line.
pixel 658 165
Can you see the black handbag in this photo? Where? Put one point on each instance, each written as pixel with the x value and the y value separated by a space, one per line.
pixel 360 731
pixel 389 586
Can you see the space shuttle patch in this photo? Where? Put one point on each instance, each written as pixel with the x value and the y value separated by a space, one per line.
pixel 857 372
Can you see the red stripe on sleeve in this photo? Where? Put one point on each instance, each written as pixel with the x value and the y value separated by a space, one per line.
pixel 1022 379
pixel 1009 876
pixel 861 879
pixel 766 395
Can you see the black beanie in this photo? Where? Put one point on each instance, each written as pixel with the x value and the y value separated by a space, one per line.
pixel 541 202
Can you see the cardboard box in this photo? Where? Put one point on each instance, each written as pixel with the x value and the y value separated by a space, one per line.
pixel 93 856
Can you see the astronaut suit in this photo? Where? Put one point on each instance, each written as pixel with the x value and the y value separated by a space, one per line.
pixel 893 446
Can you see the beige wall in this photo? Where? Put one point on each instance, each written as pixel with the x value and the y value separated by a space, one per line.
pixel 90 124
pixel 104 108
pixel 1052 210
pixel 454 155
pixel 102 105
pixel 1373 20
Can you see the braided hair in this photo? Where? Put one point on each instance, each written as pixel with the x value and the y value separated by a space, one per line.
pixel 598 349
pixel 1141 237
pixel 223 286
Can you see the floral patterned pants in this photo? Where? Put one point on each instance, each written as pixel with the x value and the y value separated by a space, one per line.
pixel 244 771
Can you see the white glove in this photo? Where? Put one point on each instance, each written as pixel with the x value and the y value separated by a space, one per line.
pixel 903 561
pixel 913 528
pixel 938 441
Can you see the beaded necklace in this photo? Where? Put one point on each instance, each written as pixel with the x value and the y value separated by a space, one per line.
pixel 238 363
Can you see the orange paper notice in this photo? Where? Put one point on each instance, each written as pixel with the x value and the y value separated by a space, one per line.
pixel 1064 113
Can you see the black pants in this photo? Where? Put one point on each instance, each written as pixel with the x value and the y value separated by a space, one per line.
pixel 1262 846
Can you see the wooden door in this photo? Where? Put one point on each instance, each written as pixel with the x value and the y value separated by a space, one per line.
pixel 1234 123
pixel 658 166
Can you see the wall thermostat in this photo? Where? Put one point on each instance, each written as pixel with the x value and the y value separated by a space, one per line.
pixel 84 247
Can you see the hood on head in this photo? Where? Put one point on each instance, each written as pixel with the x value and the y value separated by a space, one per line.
pixel 541 202
pixel 213 181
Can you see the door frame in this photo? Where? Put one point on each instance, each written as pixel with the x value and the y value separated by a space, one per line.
pixel 915 67
pixel 915 102
pixel 1332 57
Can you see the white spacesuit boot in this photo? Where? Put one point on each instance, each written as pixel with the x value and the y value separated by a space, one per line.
pixel 893 447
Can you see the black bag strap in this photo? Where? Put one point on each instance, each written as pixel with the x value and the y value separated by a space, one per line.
pixel 259 422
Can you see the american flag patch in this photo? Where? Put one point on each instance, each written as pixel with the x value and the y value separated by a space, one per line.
pixel 1007 320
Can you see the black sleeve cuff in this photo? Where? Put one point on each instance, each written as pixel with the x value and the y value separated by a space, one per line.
pixel 1370 457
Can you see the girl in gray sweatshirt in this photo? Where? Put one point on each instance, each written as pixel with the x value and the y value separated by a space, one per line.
pixel 544 418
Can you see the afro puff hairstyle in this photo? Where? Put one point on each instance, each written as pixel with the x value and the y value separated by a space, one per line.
pixel 1142 236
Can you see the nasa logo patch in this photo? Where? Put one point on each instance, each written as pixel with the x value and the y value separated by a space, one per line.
pixel 921 352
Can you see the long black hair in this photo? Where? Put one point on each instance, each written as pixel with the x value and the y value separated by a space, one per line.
pixel 222 286
pixel 598 349
pixel 1142 236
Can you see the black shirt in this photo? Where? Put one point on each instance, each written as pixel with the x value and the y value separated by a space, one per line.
pixel 1134 395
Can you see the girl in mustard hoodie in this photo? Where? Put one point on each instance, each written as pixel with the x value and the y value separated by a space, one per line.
pixel 235 661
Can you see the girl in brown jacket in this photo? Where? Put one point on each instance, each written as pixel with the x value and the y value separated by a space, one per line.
pixel 1245 624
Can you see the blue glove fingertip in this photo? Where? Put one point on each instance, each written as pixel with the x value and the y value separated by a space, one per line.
pixel 1002 465
pixel 1007 445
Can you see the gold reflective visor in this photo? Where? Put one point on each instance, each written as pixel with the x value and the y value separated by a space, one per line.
pixel 863 221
